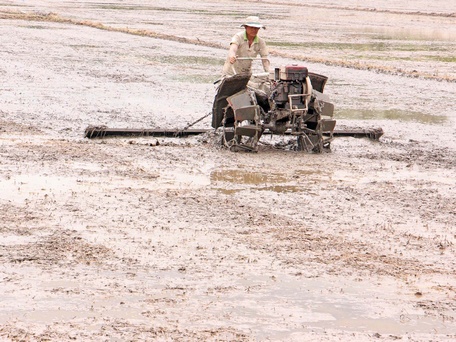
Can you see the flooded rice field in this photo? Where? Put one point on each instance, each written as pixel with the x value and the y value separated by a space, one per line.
pixel 179 239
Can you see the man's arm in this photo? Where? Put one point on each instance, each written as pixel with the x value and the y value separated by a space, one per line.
pixel 264 53
pixel 266 64
pixel 232 53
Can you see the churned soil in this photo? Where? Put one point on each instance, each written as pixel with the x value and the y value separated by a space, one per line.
pixel 179 239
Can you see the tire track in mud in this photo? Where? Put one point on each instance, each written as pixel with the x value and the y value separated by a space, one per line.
pixel 56 18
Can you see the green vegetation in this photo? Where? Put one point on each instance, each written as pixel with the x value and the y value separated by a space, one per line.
pixel 191 60
pixel 390 114
pixel 136 8
pixel 39 27
pixel 83 46
pixel 375 46
pixel 445 59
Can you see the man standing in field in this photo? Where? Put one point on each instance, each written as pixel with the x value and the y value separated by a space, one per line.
pixel 246 44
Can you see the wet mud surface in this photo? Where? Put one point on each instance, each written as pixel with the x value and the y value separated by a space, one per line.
pixel 179 239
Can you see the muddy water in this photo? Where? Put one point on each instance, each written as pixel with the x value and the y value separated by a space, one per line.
pixel 24 187
pixel 326 303
pixel 172 259
pixel 320 303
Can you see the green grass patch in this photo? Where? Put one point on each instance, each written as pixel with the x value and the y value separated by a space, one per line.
pixel 187 60
pixel 39 27
pixel 135 8
pixel 374 46
pixel 445 59
pixel 390 114
pixel 84 46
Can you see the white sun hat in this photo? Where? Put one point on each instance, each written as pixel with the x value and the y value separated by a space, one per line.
pixel 253 21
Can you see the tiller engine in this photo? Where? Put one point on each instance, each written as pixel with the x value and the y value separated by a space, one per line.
pixel 288 101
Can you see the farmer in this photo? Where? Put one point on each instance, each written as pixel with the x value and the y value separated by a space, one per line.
pixel 246 44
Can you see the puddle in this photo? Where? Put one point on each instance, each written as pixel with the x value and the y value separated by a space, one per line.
pixel 265 181
pixel 400 115
pixel 353 320
pixel 324 303
pixel 99 309
pixel 177 180
pixel 228 191
pixel 21 187
pixel 245 177
pixel 26 187
pixel 282 188
pixel 271 307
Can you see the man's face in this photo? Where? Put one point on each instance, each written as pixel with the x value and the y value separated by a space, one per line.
pixel 251 31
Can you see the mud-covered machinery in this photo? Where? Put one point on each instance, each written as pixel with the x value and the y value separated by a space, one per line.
pixel 288 101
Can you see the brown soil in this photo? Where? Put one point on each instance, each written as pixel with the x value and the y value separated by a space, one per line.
pixel 179 239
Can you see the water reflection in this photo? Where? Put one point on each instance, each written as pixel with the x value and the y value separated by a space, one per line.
pixel 245 177
pixel 294 182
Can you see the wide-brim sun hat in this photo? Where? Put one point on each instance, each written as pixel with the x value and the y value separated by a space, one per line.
pixel 253 21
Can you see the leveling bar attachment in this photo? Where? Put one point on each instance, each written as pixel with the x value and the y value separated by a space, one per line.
pixel 93 132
